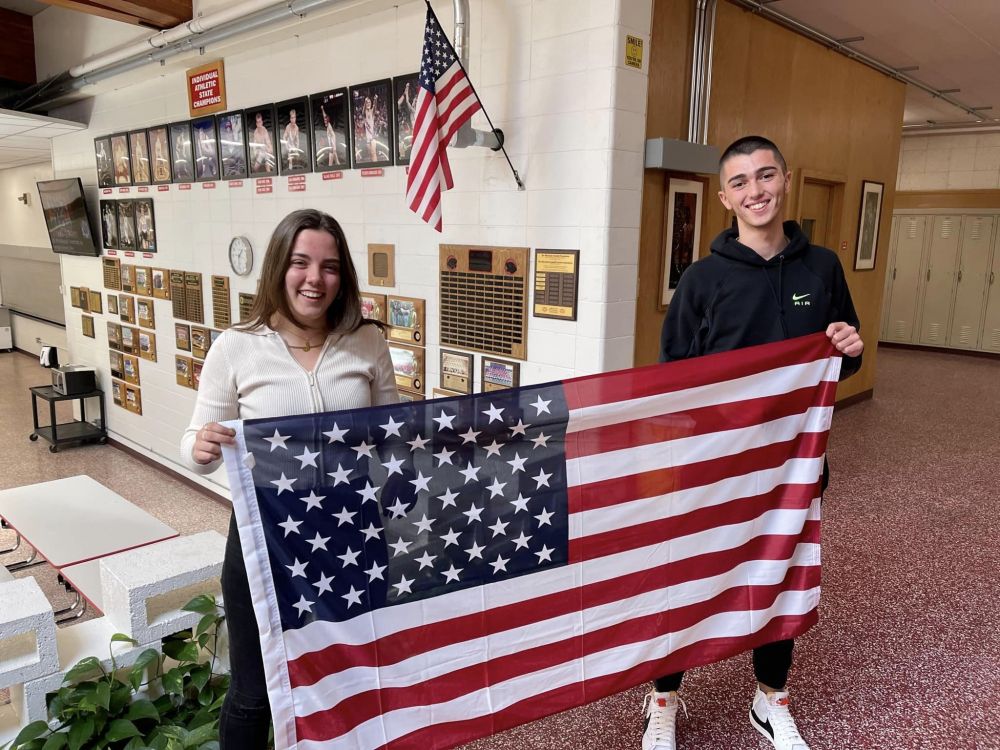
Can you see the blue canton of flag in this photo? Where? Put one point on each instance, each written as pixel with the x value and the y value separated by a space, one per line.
pixel 438 54
pixel 376 507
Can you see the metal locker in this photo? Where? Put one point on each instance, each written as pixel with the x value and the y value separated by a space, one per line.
pixel 970 282
pixel 991 320
pixel 939 280
pixel 903 279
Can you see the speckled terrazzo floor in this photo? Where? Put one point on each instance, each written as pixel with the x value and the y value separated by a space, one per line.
pixel 907 652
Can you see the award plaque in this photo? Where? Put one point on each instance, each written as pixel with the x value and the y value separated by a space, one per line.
pixel 118 393
pixel 117 363
pixel 87 322
pixel 381 265
pixel 96 303
pixel 408 365
pixel 221 315
pixel 143 282
pixel 444 393
pixel 406 396
pixel 130 369
pixel 147 345
pixel 74 296
pixel 126 308
pixel 114 336
pixel 200 342
pixel 194 308
pixel 405 316
pixel 498 374
pixel 182 366
pixel 128 277
pixel 84 294
pixel 112 273
pixel 113 304
pixel 246 305
pixel 196 373
pixel 160 278
pixel 144 312
pixel 133 400
pixel 373 306
pixel 130 340
pixel 456 371
pixel 178 294
pixel 556 284
pixel 182 336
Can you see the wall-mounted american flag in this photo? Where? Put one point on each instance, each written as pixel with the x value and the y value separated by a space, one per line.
pixel 432 572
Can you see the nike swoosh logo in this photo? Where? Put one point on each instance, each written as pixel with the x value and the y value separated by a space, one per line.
pixel 797 297
pixel 765 725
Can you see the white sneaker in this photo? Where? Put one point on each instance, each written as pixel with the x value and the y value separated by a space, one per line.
pixel 770 716
pixel 661 720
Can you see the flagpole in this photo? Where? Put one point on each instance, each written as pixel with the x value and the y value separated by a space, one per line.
pixel 498 134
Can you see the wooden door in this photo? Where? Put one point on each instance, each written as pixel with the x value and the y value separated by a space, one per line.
pixel 939 280
pixel 990 340
pixel 903 278
pixel 970 286
pixel 815 211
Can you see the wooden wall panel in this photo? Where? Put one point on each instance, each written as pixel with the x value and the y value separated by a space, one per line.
pixel 17 53
pixel 828 114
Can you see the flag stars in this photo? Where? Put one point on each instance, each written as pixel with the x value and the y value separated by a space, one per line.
pixel 350 557
pixel 541 406
pixel 418 443
pixel 444 456
pixel 452 573
pixel 404 586
pixel 307 458
pixel 340 476
pixel 398 508
pixel 544 518
pixel 392 427
pixel 363 449
pixel 371 532
pixel 541 441
pixel 517 463
pixel 519 429
pixel 284 484
pixel 475 552
pixel 345 516
pixel 426 560
pixel 495 414
pixel 335 434
pixel 473 513
pixel 493 449
pixel 290 526
pixel 521 542
pixel 298 568
pixel 393 465
pixel 318 542
pixel 420 483
pixel 368 493
pixel 469 436
pixel 545 554
pixel 542 479
pixel 277 440
pixel 303 605
pixel 444 421
pixel 521 503
pixel 496 489
pixel 450 538
pixel 375 571
pixel 448 498
pixel 423 525
pixel 352 597
pixel 500 564
pixel 470 472
pixel 323 584
pixel 499 528
pixel 400 546
pixel 312 500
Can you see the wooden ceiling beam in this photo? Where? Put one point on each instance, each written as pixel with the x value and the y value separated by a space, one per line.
pixel 156 14
pixel 17 53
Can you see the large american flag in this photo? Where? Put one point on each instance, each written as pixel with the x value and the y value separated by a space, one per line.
pixel 432 572
pixel 445 101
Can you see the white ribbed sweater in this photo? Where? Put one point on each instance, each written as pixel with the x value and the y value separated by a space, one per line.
pixel 252 375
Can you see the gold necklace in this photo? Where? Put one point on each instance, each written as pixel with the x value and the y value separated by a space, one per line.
pixel 308 345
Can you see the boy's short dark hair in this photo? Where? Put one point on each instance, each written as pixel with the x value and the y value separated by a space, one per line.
pixel 747 145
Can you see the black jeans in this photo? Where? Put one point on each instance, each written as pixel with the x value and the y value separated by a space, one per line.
pixel 771 664
pixel 246 713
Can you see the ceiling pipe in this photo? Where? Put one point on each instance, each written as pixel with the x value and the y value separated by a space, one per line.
pixel 467 135
pixel 838 46
pixel 701 70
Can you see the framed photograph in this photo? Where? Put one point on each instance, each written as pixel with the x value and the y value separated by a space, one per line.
pixel 142 280
pixel 213 336
pixel 74 296
pixel 129 340
pixel 130 369
pixel 84 293
pixel 408 396
pixel 371 124
pixel 408 365
pixel 117 363
pixel 182 368
pixel 261 142
pixel 456 371
pixel 232 145
pixel 160 280
pixel 293 136
pixel 118 393
pixel 109 225
pixel 373 306
pixel 182 336
pixel 87 322
pixel 128 277
pixel 126 308
pixel 126 225
pixel 681 234
pixel 96 303
pixel 205 149
pixel 868 221
pixel 159 154
pixel 404 109
pixel 105 166
pixel 497 374
pixel 113 304
pixel 196 368
pixel 120 160
pixel 406 318
pixel 114 336
pixel 139 153
pixel 181 161
pixel 144 312
pixel 133 400
pixel 331 134
pixel 200 341
pixel 145 225
pixel 147 345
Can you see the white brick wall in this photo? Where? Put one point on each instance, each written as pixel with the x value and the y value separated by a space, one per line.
pixel 949 162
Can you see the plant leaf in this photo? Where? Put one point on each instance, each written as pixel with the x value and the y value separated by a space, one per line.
pixel 202 603
pixel 102 696
pixel 33 731
pixel 121 729
pixel 206 623
pixel 80 733
pixel 202 734
pixel 173 681
pixel 137 672
pixel 56 741
pixel 83 668
pixel 142 709
pixel 122 638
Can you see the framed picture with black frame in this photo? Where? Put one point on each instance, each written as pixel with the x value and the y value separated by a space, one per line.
pixel 105 166
pixel 404 108
pixel 232 145
pixel 371 124
pixel 261 144
pixel 181 162
pixel 145 225
pixel 205 149
pixel 139 153
pixel 120 159
pixel 109 225
pixel 126 225
pixel 331 134
pixel 159 154
pixel 870 214
pixel 295 153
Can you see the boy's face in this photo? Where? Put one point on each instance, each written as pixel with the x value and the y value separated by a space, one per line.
pixel 754 188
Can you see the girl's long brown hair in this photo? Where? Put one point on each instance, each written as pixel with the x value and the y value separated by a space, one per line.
pixel 344 313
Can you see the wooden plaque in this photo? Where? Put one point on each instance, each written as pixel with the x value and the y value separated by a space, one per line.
pixel 126 308
pixel 406 396
pixel 444 393
pixel 84 294
pixel 117 362
pixel 194 306
pixel 128 277
pixel 147 345
pixel 87 322
pixel 498 374
pixel 381 265
pixel 456 371
pixel 143 280
pixel 130 369
pixel 133 399
pixel 200 341
pixel 130 340
pixel 196 367
pixel 405 316
pixel 373 306
pixel 144 312
pixel 160 281
pixel 408 365
pixel 178 294
pixel 118 393
pixel 484 299
pixel 221 308
pixel 112 273
pixel 74 296
pixel 246 305
pixel 96 303
pixel 114 336
pixel 556 284
pixel 182 336
pixel 182 366
pixel 113 304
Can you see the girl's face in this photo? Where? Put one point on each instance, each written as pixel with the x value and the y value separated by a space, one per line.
pixel 312 279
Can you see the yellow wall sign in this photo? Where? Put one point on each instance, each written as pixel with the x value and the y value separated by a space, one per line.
pixel 556 274
pixel 633 51
pixel 207 88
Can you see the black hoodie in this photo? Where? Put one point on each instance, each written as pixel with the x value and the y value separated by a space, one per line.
pixel 734 298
